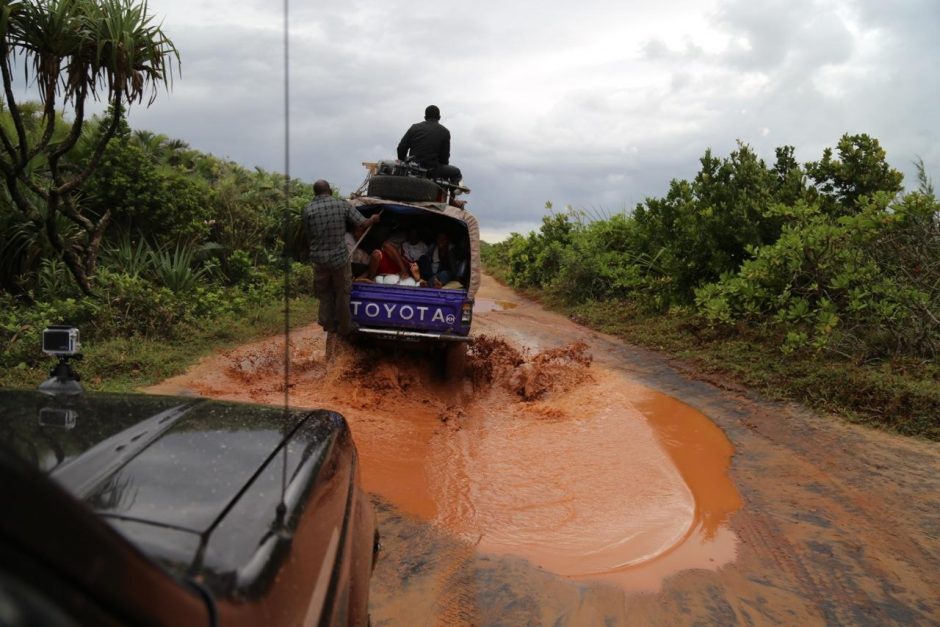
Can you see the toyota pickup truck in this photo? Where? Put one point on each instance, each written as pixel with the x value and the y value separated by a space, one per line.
pixel 438 318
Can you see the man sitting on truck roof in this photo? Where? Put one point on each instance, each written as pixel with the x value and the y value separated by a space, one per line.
pixel 428 143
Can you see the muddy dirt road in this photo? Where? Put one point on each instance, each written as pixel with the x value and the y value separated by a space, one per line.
pixel 573 480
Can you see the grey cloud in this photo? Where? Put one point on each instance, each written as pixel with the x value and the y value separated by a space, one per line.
pixel 681 80
pixel 766 27
pixel 228 100
pixel 807 33
pixel 361 72
pixel 914 21
pixel 655 49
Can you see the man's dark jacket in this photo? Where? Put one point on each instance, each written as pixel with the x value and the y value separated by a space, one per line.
pixel 429 143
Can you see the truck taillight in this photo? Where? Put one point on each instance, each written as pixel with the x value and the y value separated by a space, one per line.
pixel 466 313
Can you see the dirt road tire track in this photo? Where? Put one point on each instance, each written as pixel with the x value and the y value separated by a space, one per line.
pixel 840 523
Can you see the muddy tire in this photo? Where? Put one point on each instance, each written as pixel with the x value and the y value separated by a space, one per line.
pixel 405 188
pixel 455 361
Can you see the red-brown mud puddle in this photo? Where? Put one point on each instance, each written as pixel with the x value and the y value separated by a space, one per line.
pixel 597 484
pixel 487 305
pixel 568 464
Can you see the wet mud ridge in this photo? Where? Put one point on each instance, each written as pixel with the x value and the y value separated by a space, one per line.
pixel 558 483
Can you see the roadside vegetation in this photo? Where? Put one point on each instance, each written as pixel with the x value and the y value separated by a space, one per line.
pixel 191 258
pixel 155 251
pixel 818 282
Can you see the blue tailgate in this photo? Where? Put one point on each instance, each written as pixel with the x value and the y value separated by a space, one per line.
pixel 412 308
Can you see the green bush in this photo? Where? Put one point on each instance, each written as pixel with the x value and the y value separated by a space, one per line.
pixel 134 259
pixel 846 284
pixel 495 259
pixel 702 228
pixel 859 170
pixel 174 269
pixel 301 275
pixel 239 267
pixel 147 186
pixel 841 265
pixel 130 306
pixel 21 326
pixel 133 305
pixel 604 262
pixel 536 259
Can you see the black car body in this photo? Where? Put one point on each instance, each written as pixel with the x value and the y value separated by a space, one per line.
pixel 131 509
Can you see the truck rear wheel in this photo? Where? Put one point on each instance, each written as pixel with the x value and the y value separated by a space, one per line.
pixel 406 188
pixel 455 361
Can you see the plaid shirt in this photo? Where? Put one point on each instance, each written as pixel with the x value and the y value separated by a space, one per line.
pixel 325 221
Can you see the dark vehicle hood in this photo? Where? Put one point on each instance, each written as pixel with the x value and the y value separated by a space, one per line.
pixel 195 484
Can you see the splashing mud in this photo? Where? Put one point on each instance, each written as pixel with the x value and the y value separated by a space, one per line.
pixel 530 377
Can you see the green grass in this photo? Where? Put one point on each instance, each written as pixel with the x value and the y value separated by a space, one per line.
pixel 900 396
pixel 125 364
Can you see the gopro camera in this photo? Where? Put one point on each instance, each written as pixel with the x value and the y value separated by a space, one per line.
pixel 60 341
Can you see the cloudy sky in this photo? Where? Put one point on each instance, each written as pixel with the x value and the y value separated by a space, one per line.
pixel 595 104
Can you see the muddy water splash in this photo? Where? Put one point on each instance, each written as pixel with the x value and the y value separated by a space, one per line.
pixel 530 377
pixel 540 453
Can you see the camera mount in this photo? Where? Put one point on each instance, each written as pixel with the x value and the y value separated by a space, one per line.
pixel 63 380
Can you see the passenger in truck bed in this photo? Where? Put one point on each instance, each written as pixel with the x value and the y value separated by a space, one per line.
pixel 414 247
pixel 382 264
pixel 441 264
pixel 392 263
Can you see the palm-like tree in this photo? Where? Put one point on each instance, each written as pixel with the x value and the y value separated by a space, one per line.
pixel 153 144
pixel 110 50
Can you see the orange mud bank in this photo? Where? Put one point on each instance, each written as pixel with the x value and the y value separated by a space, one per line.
pixel 571 479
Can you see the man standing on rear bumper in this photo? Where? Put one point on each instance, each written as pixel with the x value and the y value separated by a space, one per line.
pixel 325 221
